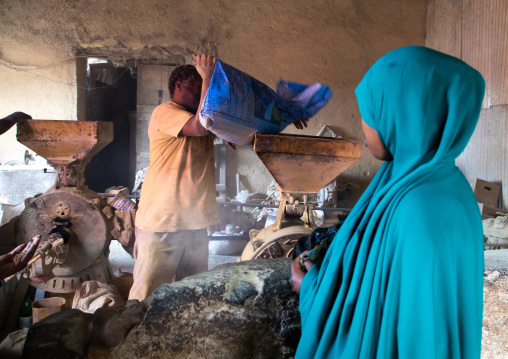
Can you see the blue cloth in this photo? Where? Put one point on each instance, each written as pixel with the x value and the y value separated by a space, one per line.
pixel 404 275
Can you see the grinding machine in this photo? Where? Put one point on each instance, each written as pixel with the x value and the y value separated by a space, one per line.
pixel 301 165
pixel 76 223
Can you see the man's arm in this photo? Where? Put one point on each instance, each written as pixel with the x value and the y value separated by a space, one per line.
pixel 9 121
pixel 205 65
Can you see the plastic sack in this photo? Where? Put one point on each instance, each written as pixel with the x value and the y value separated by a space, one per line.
pixel 94 295
pixel 237 106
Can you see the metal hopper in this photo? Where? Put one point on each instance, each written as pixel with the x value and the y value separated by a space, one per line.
pixel 67 145
pixel 305 164
pixel 301 165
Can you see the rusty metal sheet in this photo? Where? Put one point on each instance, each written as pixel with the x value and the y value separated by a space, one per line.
pixel 475 31
pixel 305 164
pixel 444 26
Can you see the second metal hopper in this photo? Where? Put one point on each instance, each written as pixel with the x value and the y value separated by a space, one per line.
pixel 301 165
pixel 305 164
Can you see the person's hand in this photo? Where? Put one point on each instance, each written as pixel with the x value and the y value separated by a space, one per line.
pixel 300 124
pixel 205 64
pixel 18 116
pixel 298 272
pixel 8 122
pixel 11 264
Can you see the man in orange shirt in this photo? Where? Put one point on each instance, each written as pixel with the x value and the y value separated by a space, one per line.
pixel 178 198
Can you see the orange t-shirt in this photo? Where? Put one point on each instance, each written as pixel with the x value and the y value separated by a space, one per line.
pixel 178 192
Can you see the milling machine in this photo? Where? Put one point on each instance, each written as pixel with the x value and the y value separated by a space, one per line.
pixel 76 223
pixel 301 165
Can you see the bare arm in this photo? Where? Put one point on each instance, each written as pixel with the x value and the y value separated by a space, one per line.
pixel 205 65
pixel 9 121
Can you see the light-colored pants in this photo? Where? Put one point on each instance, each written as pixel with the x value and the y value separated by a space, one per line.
pixel 161 257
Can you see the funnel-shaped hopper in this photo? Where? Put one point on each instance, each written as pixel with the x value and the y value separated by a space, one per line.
pixel 66 144
pixel 305 164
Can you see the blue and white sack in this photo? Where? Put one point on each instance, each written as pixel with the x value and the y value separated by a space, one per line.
pixel 237 106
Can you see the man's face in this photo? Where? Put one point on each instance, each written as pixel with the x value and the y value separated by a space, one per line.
pixel 191 93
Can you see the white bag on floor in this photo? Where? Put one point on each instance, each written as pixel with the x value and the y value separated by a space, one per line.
pixel 94 295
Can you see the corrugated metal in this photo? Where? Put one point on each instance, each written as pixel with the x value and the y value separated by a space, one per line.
pixel 477 32
pixel 486 155
pixel 444 17
pixel 485 45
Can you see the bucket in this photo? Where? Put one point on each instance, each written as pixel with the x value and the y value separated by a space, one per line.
pixel 45 307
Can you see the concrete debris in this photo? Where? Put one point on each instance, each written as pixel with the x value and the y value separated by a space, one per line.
pixel 491 277
pixel 496 230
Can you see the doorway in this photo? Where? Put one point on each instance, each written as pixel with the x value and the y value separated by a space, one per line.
pixel 111 96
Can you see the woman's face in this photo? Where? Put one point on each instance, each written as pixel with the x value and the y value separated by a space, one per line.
pixel 372 141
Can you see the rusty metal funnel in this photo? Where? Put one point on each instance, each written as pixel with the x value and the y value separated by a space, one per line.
pixel 67 145
pixel 305 164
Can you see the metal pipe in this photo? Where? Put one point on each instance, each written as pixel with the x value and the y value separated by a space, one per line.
pixel 237 184
pixel 264 205
pixel 247 204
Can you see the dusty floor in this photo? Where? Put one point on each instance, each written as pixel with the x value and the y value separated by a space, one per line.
pixel 495 315
pixel 495 305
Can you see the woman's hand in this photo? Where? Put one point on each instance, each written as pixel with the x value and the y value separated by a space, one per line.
pixel 298 272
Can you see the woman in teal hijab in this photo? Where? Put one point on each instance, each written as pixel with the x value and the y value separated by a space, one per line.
pixel 403 277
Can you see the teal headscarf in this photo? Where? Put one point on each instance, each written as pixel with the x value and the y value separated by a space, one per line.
pixel 404 274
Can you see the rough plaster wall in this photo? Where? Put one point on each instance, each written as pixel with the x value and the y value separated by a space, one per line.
pixel 42 94
pixel 330 41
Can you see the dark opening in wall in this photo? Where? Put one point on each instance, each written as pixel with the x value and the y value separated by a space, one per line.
pixel 111 96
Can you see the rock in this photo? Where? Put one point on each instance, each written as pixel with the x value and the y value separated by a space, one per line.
pixel 240 310
pixel 64 334
pixel 111 325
